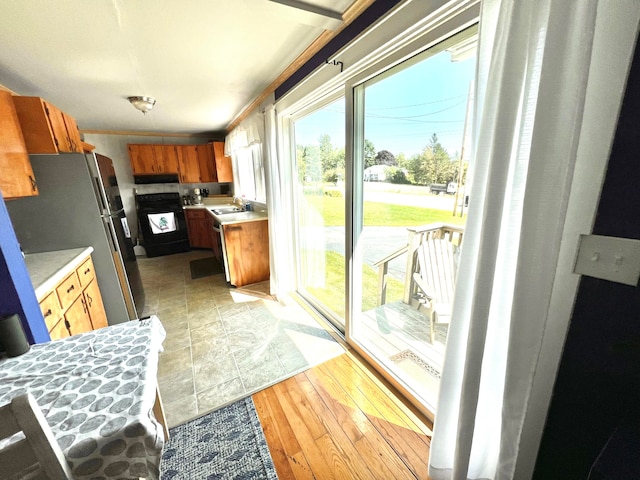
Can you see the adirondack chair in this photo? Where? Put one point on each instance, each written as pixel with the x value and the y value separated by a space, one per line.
pixel 437 259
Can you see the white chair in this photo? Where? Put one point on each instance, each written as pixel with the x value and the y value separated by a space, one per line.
pixel 37 455
pixel 436 279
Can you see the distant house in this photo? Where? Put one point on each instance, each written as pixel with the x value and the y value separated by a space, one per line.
pixel 375 173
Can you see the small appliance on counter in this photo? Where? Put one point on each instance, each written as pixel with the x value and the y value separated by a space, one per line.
pixel 197 197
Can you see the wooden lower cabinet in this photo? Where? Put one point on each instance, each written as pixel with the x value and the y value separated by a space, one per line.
pixel 247 246
pixel 77 317
pixel 75 304
pixel 95 306
pixel 59 330
pixel 200 228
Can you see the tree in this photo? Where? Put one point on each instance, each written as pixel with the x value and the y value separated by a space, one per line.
pixel 385 157
pixel 369 153
pixel 433 165
pixel 396 175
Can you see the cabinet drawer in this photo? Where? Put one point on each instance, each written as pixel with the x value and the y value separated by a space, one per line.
pixel 68 290
pixel 193 214
pixel 86 273
pixel 50 308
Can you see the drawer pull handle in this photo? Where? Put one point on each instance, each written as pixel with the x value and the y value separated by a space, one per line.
pixel 34 186
pixel 71 288
pixel 47 313
pixel 87 271
pixel 90 300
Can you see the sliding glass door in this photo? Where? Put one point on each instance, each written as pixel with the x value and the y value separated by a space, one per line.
pixel 380 173
pixel 319 208
pixel 409 179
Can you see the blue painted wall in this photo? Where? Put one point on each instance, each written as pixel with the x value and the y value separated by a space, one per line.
pixel 16 290
pixel 595 406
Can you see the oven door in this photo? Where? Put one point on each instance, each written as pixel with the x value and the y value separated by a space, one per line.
pixel 164 229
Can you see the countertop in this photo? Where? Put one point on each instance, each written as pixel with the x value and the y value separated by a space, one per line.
pixel 46 269
pixel 231 218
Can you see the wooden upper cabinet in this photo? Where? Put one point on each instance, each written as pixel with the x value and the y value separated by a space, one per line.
pixel 166 158
pixel 142 159
pixel 224 170
pixel 207 163
pixel 16 175
pixel 46 128
pixel 189 168
pixel 193 163
pixel 73 133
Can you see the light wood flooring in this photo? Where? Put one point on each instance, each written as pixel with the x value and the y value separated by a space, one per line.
pixel 340 420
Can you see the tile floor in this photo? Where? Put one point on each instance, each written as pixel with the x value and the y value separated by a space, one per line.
pixel 224 343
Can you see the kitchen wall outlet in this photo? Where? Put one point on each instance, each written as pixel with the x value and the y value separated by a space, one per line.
pixel 609 258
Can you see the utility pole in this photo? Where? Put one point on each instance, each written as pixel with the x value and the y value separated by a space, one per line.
pixel 464 141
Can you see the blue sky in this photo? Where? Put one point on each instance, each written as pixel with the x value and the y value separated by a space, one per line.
pixel 403 110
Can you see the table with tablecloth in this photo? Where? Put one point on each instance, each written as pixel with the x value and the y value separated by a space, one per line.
pixel 97 391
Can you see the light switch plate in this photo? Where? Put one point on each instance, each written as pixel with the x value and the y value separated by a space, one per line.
pixel 609 258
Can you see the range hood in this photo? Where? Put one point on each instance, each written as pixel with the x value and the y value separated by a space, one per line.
pixel 157 178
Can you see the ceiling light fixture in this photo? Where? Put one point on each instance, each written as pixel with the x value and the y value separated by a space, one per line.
pixel 144 104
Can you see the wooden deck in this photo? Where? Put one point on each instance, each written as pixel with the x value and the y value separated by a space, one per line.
pixel 341 420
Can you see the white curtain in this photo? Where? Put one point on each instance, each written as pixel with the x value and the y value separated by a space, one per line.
pixel 532 74
pixel 278 185
pixel 245 146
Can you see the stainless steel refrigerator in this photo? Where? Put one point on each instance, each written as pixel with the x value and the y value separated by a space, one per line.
pixel 79 205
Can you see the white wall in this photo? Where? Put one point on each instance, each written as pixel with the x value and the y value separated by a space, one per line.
pixel 115 147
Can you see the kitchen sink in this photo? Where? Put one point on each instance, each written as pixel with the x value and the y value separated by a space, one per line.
pixel 223 210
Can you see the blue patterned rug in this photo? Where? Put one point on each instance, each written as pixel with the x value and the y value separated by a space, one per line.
pixel 225 444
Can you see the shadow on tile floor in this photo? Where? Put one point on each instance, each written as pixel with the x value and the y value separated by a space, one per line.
pixel 224 343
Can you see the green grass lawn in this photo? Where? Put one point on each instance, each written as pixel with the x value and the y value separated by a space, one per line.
pixel 333 295
pixel 331 210
pixel 381 214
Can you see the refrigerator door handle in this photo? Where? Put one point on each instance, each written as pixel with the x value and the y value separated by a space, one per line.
pixel 104 207
pixel 115 214
pixel 111 234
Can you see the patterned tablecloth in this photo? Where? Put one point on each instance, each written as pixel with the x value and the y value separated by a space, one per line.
pixel 97 391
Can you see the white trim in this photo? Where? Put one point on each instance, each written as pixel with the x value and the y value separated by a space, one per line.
pixel 407 29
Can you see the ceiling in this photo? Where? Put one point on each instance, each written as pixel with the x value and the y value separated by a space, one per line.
pixel 204 61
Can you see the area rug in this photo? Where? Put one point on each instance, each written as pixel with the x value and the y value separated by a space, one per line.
pixel 226 444
pixel 205 267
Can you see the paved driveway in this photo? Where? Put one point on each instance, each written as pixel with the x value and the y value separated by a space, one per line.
pixel 378 242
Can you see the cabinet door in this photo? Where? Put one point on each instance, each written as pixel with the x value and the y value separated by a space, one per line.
pixel 142 159
pixel 78 317
pixel 166 158
pixel 73 133
pixel 247 246
pixel 224 170
pixel 59 128
pixel 93 300
pixel 16 177
pixel 207 163
pixel 189 168
pixel 59 331
pixel 197 227
pixel 192 227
